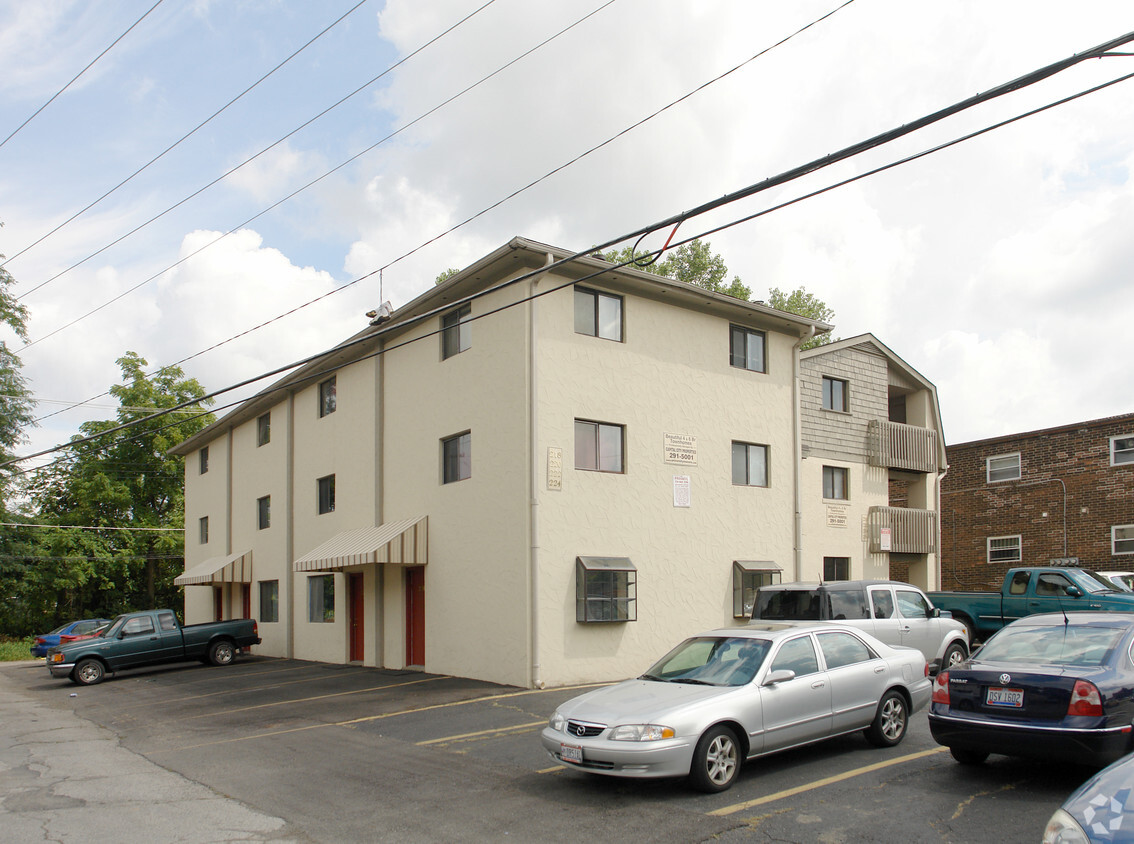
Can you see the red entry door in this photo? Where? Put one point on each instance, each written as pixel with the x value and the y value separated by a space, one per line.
pixel 415 616
pixel 246 599
pixel 218 603
pixel 355 602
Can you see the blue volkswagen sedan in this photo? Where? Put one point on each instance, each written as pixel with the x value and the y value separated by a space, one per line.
pixel 1101 809
pixel 1054 686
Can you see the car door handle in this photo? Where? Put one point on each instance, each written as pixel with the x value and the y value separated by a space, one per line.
pixel 880 669
pixel 818 684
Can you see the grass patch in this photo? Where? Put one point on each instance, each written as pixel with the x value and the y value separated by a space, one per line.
pixel 15 649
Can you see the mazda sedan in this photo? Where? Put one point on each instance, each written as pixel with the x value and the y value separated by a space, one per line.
pixel 727 696
pixel 1053 686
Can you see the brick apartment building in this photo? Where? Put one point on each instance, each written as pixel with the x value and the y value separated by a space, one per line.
pixel 1029 499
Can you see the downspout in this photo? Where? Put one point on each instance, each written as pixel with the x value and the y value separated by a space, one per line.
pixel 380 503
pixel 797 468
pixel 940 479
pixel 533 492
pixel 287 599
pixel 227 590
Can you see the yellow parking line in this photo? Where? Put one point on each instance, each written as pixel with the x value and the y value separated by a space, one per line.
pixel 479 733
pixel 791 792
pixel 379 717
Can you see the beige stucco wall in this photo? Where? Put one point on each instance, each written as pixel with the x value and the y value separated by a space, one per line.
pixel 671 375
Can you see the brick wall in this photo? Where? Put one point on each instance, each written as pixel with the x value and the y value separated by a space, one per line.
pixel 1050 522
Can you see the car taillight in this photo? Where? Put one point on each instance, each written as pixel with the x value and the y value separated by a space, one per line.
pixel 255 628
pixel 1085 699
pixel 941 688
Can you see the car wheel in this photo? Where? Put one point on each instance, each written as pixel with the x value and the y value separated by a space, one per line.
pixel 954 655
pixel 88 672
pixel 222 653
pixel 970 628
pixel 716 760
pixel 968 757
pixel 890 721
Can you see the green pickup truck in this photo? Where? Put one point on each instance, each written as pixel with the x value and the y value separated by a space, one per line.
pixel 148 638
pixel 1030 590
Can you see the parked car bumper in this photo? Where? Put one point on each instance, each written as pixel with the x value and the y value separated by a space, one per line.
pixel 60 670
pixel 667 758
pixel 1099 746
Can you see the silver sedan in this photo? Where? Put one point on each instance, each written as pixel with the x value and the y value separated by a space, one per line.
pixel 726 696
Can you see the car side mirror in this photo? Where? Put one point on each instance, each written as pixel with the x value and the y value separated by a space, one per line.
pixel 1074 591
pixel 781 675
pixel 935 613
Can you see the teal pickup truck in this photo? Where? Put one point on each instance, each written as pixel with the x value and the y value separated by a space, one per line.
pixel 1029 590
pixel 148 638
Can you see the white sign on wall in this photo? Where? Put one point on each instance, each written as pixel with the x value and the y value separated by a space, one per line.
pixel 837 515
pixel 884 539
pixel 682 492
pixel 555 468
pixel 680 449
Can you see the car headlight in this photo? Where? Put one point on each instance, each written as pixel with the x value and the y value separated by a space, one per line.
pixel 1064 829
pixel 641 732
pixel 557 722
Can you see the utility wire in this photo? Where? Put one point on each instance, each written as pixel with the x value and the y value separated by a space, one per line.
pixel 77 75
pixel 168 149
pixel 674 220
pixel 246 161
pixel 294 193
pixel 467 220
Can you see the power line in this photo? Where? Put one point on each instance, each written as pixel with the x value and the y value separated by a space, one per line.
pixel 467 220
pixel 291 195
pixel 676 220
pixel 77 75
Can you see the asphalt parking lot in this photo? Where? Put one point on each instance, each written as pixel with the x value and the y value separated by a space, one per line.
pixel 281 750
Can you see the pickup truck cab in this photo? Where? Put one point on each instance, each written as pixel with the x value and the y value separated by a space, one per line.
pixel 148 638
pixel 1033 589
pixel 895 612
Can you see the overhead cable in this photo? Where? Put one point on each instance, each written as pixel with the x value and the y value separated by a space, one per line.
pixel 751 190
pixel 80 73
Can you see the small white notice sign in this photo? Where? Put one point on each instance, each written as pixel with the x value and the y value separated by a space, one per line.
pixel 884 539
pixel 837 515
pixel 682 491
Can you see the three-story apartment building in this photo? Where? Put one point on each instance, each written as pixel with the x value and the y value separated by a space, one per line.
pixel 534 473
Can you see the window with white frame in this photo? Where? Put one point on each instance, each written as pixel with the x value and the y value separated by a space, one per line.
pixel 1122 450
pixel 328 396
pixel 1122 539
pixel 746 348
pixel 1002 467
pixel 1004 549
pixel 321 598
pixel 835 394
pixel 835 483
pixel 456 332
pixel 456 458
pixel 606 589
pixel 598 314
pixel 749 464
pixel 747 577
pixel 598 446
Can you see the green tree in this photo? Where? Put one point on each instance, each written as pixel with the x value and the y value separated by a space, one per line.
pixel 90 563
pixel 694 263
pixel 805 304
pixel 446 275
pixel 16 403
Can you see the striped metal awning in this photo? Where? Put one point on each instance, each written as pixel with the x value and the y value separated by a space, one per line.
pixel 405 542
pixel 235 568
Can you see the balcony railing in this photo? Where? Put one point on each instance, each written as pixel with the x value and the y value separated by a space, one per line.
pixel 903 529
pixel 898 446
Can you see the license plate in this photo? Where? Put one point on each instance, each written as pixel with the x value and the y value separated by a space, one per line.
pixel 571 753
pixel 1013 698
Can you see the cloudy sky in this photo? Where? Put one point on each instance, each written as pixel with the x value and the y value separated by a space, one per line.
pixel 1000 268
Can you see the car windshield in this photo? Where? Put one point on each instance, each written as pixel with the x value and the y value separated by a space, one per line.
pixel 1061 644
pixel 58 629
pixel 1089 581
pixel 1124 581
pixel 787 605
pixel 112 630
pixel 712 661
